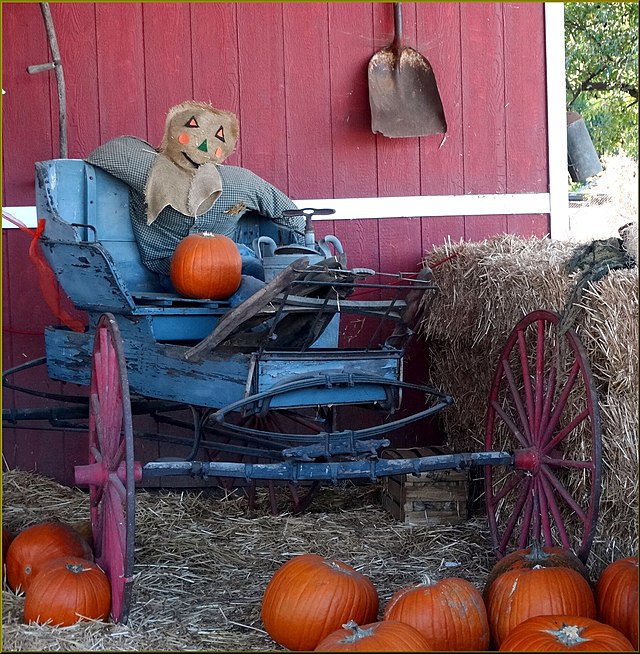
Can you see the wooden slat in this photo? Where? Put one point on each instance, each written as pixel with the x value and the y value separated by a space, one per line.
pixel 121 80
pixel 262 92
pixel 74 23
pixel 27 133
pixel 167 56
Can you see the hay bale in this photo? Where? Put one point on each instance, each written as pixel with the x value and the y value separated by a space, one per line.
pixel 485 288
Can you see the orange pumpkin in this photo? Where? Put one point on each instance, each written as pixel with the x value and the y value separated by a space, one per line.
pixel 617 597
pixel 449 613
pixel 546 557
pixel 206 266
pixel 310 596
pixel 68 590
pixel 386 636
pixel 517 595
pixel 564 633
pixel 36 545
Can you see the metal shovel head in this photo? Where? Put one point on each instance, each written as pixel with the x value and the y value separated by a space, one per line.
pixel 403 94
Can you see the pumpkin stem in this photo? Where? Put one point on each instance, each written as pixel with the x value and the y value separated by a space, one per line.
pixel 537 553
pixel 568 635
pixel 76 568
pixel 357 632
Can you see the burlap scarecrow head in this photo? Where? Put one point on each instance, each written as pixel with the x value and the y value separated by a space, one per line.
pixel 196 138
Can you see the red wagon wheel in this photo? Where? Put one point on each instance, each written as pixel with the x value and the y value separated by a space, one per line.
pixel 543 408
pixel 111 472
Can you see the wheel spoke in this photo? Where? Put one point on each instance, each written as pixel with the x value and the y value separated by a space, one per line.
pixel 526 376
pixel 548 404
pixel 545 525
pixel 552 481
pixel 517 400
pixel 513 428
pixel 525 525
pixel 560 406
pixel 555 511
pixel 539 378
pixel 565 431
pixel 568 463
pixel 515 514
pixel 514 480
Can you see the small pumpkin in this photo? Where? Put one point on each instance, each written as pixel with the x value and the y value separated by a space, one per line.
pixel 449 613
pixel 40 543
pixel 206 266
pixel 517 595
pixel 564 633
pixel 68 590
pixel 617 597
pixel 311 596
pixel 389 636
pixel 536 555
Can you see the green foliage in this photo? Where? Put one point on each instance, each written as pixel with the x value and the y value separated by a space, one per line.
pixel 602 72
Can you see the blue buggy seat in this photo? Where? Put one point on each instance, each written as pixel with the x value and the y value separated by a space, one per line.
pixel 90 245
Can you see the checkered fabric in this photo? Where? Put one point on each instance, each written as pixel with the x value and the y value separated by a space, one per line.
pixel 130 159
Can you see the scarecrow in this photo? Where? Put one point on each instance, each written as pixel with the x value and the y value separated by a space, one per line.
pixel 182 187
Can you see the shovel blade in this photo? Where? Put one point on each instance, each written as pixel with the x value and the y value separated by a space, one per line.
pixel 403 95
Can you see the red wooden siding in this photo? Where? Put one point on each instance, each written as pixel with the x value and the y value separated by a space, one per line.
pixel 296 76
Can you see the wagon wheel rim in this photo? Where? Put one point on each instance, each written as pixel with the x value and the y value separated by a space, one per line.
pixel 543 407
pixel 298 496
pixel 111 473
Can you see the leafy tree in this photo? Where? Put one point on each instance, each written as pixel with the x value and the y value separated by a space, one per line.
pixel 602 72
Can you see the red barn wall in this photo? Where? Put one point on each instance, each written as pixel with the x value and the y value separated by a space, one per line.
pixel 296 76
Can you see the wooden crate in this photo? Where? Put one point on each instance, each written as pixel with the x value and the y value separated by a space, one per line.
pixel 440 497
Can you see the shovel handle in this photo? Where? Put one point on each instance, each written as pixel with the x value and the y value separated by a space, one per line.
pixel 397 24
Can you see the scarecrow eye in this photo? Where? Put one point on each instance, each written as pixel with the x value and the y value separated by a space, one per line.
pixel 192 122
pixel 220 134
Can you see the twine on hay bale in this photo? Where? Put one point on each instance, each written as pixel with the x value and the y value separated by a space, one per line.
pixel 202 561
pixel 485 288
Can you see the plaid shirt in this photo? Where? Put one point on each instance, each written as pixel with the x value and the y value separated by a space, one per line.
pixel 130 159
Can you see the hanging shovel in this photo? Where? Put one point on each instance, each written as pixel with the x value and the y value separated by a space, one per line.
pixel 403 93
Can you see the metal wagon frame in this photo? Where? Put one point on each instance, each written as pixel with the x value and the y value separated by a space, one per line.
pixel 264 380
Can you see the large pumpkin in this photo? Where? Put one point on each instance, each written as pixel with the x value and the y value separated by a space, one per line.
pixel 206 266
pixel 564 633
pixel 67 590
pixel 449 613
pixel 530 557
pixel 389 636
pixel 517 595
pixel 38 544
pixel 311 596
pixel 617 597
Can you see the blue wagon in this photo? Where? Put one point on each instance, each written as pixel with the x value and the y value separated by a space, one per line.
pixel 266 382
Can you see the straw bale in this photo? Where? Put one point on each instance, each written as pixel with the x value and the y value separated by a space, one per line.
pixel 486 287
pixel 610 330
pixel 202 561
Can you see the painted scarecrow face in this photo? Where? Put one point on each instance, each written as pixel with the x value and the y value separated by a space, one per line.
pixel 196 133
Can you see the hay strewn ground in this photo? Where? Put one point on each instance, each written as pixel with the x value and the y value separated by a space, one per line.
pixel 202 562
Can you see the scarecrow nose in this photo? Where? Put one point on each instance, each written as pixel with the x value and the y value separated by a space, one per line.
pixel 203 146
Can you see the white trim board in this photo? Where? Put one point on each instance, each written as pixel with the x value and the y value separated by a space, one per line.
pixel 390 207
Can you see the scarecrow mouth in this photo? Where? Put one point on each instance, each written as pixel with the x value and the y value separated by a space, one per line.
pixel 190 160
